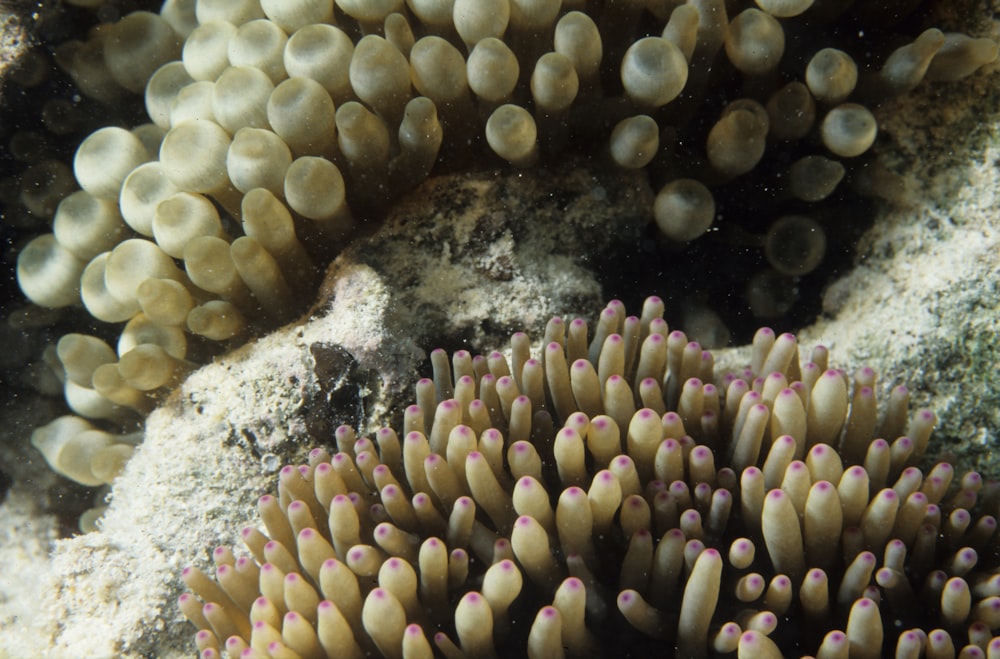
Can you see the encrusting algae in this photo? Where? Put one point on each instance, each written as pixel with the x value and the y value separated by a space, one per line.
pixel 606 493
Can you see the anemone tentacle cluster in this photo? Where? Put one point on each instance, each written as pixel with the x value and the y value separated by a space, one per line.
pixel 604 493
pixel 276 126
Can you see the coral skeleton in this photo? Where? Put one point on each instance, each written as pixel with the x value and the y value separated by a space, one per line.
pixel 604 492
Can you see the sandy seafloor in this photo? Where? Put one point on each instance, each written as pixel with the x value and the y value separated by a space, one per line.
pixel 922 306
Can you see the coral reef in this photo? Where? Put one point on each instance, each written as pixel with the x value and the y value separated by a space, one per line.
pixel 918 306
pixel 219 440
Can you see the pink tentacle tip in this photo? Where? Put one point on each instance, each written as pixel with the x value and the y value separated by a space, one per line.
pixel 957 585
pixel 675 533
pixel 940 636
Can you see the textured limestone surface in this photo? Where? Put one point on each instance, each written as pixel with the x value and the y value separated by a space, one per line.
pixel 923 301
pixel 473 258
pixel 13 39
